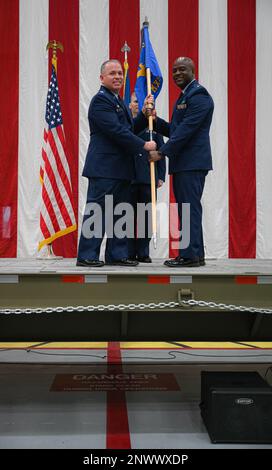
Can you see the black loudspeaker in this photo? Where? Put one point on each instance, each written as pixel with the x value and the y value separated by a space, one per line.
pixel 236 407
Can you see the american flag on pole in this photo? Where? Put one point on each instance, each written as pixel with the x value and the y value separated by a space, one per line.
pixel 57 216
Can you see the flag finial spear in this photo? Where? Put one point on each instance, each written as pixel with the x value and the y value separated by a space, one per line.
pixel 146 22
pixel 126 49
pixel 54 45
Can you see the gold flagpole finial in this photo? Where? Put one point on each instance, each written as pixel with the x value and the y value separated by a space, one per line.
pixel 54 45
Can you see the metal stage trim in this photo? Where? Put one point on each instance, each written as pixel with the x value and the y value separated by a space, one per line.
pixel 32 283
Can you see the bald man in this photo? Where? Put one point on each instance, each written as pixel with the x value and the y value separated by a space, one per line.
pixel 189 153
pixel 109 167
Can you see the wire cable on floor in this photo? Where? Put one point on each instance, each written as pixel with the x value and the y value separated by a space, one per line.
pixel 172 355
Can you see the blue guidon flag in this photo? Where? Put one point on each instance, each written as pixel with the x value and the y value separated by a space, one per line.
pixel 147 60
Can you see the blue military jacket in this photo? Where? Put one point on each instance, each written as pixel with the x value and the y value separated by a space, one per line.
pixel 188 147
pixel 142 165
pixel 112 141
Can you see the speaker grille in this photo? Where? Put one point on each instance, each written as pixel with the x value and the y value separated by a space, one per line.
pixel 236 407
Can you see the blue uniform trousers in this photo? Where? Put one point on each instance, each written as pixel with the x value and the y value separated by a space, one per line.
pixel 188 188
pixel 116 248
pixel 139 246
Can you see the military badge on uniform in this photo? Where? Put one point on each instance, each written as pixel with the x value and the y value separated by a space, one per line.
pixel 182 106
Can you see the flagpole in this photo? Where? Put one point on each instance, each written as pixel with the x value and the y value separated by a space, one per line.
pixel 152 164
pixel 125 49
pixel 53 45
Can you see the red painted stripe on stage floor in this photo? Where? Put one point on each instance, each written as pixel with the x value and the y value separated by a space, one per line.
pixel 241 125
pixel 9 98
pixel 182 41
pixel 158 279
pixel 118 436
pixel 64 27
pixel 245 279
pixel 72 278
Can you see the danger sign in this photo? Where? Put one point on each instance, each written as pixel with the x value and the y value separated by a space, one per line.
pixel 114 382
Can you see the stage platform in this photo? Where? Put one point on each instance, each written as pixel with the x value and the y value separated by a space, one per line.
pixel 38 283
pixel 213 267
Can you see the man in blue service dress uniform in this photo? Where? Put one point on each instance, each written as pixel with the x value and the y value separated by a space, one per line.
pixel 109 166
pixel 189 152
pixel 138 247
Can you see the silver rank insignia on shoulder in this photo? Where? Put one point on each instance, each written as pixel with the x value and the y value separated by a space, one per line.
pixel 182 106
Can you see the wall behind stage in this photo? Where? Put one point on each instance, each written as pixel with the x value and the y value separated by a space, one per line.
pixel 231 43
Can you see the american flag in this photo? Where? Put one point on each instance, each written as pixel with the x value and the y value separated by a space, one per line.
pixel 57 217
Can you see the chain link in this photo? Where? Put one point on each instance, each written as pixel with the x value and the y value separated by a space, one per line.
pixel 122 307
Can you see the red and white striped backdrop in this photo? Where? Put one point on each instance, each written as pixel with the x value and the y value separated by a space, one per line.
pixel 231 43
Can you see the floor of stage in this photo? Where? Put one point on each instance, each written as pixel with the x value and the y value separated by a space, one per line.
pixel 68 266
